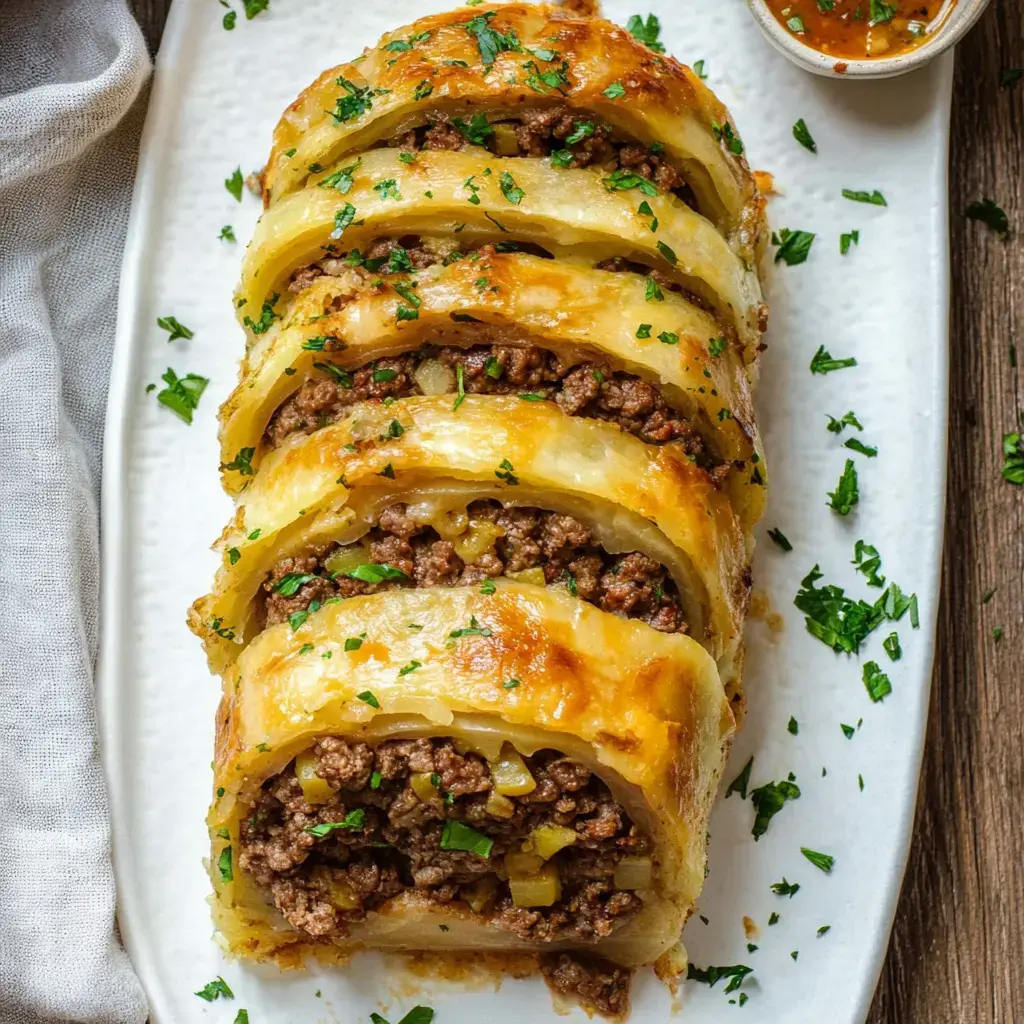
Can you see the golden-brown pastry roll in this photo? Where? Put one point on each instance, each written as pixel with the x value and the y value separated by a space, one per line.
pixel 526 79
pixel 445 769
pixel 455 492
pixel 493 323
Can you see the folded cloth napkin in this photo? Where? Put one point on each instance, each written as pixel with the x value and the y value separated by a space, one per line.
pixel 70 74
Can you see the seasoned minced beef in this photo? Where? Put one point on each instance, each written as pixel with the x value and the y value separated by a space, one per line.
pixel 632 585
pixel 538 133
pixel 393 840
pixel 596 984
pixel 590 389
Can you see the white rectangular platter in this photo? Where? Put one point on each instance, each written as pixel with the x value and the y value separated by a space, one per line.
pixel 216 98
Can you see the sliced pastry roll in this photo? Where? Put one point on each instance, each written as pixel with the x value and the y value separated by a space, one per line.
pixel 417 494
pixel 525 79
pixel 593 344
pixel 580 216
pixel 445 769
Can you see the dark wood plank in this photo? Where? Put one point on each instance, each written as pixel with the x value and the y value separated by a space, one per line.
pixel 955 950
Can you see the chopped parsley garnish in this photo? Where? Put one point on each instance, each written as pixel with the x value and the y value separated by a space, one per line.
pixel 224 867
pixel 353 820
pixel 370 572
pixel 254 7
pixel 768 800
pixel 780 539
pixel 291 583
pixel 375 779
pixel 724 133
pixel 227 233
pixel 773 919
pixel 891 646
pixel 411 667
pixel 847 493
pixel 342 219
pixel 401 45
pixel 510 684
pixel 473 629
pixel 545 81
pixel 624 179
pixel 215 989
pixel 653 292
pixel 477 131
pixel 382 376
pixel 174 328
pixel 848 239
pixel 488 587
pixel 267 316
pixel 341 180
pixel 581 130
pixel 353 643
pixel 855 444
pixel 712 975
pixel 368 698
pixel 241 463
pixel 644 210
pixel 643 331
pixel 670 338
pixel 646 32
pixel 234 184
pixel 387 189
pixel 1013 458
pixel 874 198
pixel 879 11
pixel 229 20
pixel 785 888
pixel 505 471
pixel 794 726
pixel 803 136
pixel 182 394
pixel 354 102
pixel 233 555
pixel 489 40
pixel 822 361
pixel 561 158
pixel 460 378
pixel 867 560
pixel 418 1014
pixel 716 346
pixel 509 189
pixel 459 836
pixel 615 91
pixel 403 312
pixel 848 730
pixel 876 682
pixel 824 929
pixel 793 246
pixel 740 783
pixel 822 861
pixel 849 420
pixel 699 70
pixel 667 253
pixel 242 1017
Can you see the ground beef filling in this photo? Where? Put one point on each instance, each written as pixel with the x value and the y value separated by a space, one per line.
pixel 596 984
pixel 540 133
pixel 395 800
pixel 499 541
pixel 590 389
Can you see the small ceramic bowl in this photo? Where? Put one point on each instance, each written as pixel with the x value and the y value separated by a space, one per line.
pixel 963 15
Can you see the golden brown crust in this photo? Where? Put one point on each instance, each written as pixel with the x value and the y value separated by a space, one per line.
pixel 554 305
pixel 662 101
pixel 644 709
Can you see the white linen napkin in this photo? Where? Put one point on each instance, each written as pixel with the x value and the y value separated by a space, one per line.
pixel 70 72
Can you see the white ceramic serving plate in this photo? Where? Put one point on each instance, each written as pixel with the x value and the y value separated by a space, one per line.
pixel 216 97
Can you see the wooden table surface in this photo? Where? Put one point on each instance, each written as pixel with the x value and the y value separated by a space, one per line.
pixel 956 949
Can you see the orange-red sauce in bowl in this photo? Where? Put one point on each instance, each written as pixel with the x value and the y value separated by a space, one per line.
pixel 861 29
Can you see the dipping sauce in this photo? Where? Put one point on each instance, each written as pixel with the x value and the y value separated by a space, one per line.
pixel 861 29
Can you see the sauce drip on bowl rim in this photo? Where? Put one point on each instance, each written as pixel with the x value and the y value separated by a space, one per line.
pixel 861 29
